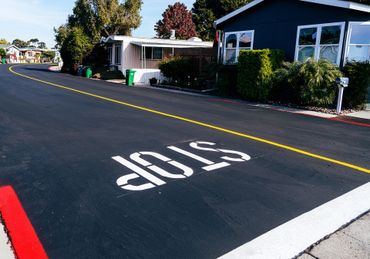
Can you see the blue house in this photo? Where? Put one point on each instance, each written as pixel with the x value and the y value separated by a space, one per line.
pixel 321 29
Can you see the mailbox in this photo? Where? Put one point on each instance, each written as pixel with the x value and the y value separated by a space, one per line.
pixel 342 81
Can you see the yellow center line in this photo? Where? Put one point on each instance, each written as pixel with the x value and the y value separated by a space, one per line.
pixel 272 143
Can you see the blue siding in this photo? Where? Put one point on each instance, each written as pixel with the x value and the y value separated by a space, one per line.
pixel 275 21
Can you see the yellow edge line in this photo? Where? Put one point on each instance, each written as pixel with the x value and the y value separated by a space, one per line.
pixel 296 150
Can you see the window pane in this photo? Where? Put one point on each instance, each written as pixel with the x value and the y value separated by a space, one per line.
pixel 359 53
pixel 157 53
pixel 360 34
pixel 329 53
pixel 307 36
pixel 306 53
pixel 118 55
pixel 148 53
pixel 231 41
pixel 330 35
pixel 245 40
pixel 110 54
pixel 230 56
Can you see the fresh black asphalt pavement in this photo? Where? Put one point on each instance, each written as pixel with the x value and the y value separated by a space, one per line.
pixel 56 150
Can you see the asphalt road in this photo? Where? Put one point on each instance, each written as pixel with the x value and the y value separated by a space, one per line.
pixel 57 148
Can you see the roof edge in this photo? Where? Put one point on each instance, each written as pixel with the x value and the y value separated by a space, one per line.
pixel 237 11
pixel 343 4
pixel 335 3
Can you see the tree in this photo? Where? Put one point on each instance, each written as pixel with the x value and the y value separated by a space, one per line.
pixel 33 42
pixel 41 45
pixel 20 43
pixel 205 12
pixel 85 16
pixel 48 54
pixel 103 18
pixel 176 17
pixel 3 41
pixel 93 19
pixel 75 47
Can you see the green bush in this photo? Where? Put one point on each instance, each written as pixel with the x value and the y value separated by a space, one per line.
pixel 2 53
pixel 254 74
pixel 308 83
pixel 277 58
pixel 177 69
pixel 105 73
pixel 356 93
pixel 286 84
pixel 227 80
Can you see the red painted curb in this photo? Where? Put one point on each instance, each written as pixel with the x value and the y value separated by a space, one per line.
pixel 22 235
pixel 351 122
pixel 297 113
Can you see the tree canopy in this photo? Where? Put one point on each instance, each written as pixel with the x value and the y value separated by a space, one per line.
pixel 93 19
pixel 3 41
pixel 20 43
pixel 176 17
pixel 205 12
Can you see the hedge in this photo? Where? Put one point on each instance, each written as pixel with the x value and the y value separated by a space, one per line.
pixel 177 69
pixel 355 94
pixel 254 74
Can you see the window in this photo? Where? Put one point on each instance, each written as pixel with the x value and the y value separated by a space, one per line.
pixel 322 41
pixel 153 53
pixel 118 54
pixel 358 47
pixel 110 55
pixel 234 43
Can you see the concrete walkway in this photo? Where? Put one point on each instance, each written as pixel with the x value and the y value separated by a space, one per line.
pixel 6 251
pixel 361 114
pixel 352 241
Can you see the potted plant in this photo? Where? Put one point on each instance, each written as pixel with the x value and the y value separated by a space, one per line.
pixel 153 81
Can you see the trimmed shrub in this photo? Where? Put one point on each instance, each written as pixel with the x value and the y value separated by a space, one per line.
pixel 359 81
pixel 227 80
pixel 177 69
pixel 308 83
pixel 254 74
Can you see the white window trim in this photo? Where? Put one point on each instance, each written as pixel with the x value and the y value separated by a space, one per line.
pixel 318 38
pixel 237 44
pixel 348 38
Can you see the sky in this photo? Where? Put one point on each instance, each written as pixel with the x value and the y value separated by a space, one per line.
pixel 26 19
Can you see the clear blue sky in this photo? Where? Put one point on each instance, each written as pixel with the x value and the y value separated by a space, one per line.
pixel 26 19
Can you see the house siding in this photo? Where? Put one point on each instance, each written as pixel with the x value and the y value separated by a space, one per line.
pixel 275 22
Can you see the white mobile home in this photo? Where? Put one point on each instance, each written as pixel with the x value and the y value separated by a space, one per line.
pixel 144 54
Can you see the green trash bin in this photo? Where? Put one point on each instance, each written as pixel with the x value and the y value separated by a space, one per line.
pixel 130 74
pixel 3 60
pixel 88 72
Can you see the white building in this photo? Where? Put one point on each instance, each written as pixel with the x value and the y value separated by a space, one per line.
pixel 12 53
pixel 144 55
